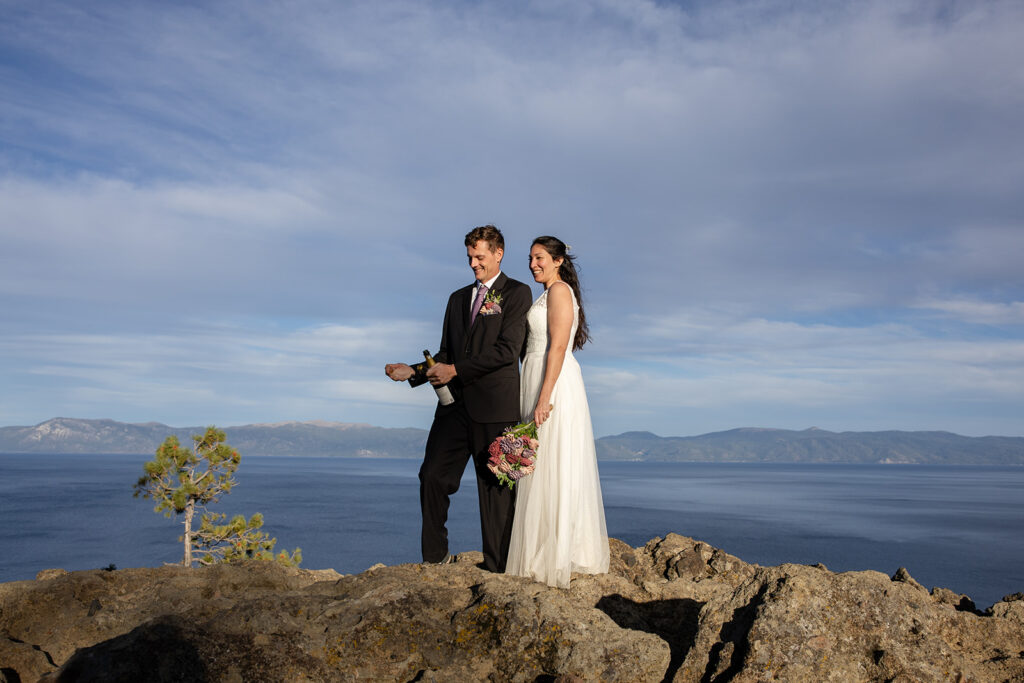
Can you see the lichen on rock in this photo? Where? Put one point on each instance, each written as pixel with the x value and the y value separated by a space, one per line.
pixel 675 609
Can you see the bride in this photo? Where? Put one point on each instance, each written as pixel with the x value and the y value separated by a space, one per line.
pixel 559 525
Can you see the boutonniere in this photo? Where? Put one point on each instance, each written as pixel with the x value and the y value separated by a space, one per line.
pixel 492 304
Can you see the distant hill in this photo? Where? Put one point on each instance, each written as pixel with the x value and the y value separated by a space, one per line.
pixel 817 446
pixel 70 435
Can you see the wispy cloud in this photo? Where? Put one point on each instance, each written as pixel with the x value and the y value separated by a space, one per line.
pixel 782 211
pixel 324 372
pixel 702 368
pixel 995 313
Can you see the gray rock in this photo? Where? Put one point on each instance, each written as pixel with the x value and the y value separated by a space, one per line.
pixel 50 574
pixel 903 576
pixel 673 610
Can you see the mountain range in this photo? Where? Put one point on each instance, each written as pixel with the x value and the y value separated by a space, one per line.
pixel 72 435
pixel 817 446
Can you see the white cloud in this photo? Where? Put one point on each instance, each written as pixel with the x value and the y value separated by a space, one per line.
pixel 712 371
pixel 784 208
pixel 218 374
pixel 983 312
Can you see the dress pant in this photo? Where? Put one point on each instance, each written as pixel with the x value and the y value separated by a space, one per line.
pixel 453 439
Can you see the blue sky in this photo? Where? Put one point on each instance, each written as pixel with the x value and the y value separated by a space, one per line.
pixel 786 214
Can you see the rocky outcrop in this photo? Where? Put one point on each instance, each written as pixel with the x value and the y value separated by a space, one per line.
pixel 673 610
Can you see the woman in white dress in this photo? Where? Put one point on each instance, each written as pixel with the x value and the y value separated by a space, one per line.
pixel 559 525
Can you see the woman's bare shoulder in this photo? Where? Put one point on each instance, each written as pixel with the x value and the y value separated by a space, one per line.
pixel 559 298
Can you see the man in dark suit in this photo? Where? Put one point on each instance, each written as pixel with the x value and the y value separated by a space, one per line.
pixel 483 333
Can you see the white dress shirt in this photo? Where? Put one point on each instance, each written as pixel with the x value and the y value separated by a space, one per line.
pixel 476 290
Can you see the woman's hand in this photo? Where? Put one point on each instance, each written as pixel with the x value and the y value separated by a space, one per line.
pixel 543 411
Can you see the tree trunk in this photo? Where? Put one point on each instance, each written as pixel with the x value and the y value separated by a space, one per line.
pixel 189 511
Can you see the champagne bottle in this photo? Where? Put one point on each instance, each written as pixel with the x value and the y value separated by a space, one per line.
pixel 444 394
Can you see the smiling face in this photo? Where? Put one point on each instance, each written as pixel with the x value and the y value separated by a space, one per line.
pixel 543 267
pixel 484 262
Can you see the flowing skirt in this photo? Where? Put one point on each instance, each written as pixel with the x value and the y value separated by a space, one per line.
pixel 559 526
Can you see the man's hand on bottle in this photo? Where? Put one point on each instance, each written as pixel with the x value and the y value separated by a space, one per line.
pixel 442 373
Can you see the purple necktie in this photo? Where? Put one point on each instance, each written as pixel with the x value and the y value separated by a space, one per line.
pixel 481 292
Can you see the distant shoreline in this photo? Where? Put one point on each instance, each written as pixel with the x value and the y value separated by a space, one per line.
pixel 419 458
pixel 333 439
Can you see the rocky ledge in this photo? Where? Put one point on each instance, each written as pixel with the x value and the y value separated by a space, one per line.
pixel 673 610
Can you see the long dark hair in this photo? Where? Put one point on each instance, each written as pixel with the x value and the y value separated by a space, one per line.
pixel 567 271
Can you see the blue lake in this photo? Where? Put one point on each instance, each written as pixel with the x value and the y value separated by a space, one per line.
pixel 957 527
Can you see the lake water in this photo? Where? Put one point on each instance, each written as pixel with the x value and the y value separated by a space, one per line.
pixel 957 527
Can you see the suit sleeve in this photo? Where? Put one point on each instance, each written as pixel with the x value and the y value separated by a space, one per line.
pixel 506 349
pixel 420 368
pixel 419 374
pixel 442 352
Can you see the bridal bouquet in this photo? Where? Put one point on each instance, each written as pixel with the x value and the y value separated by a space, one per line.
pixel 514 453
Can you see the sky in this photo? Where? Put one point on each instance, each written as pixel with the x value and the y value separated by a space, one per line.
pixel 786 214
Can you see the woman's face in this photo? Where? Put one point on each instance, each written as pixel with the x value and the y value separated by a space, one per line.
pixel 543 267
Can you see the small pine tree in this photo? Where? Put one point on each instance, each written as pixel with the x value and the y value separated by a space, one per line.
pixel 180 480
pixel 239 539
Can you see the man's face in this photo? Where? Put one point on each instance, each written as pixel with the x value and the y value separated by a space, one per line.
pixel 484 262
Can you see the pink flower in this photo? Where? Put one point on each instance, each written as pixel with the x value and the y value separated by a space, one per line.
pixel 514 453
pixel 490 308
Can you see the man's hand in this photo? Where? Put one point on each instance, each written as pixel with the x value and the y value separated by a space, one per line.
pixel 398 371
pixel 442 373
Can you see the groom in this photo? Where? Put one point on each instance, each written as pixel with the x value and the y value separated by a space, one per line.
pixel 483 333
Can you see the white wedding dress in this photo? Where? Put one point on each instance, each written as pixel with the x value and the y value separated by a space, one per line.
pixel 559 525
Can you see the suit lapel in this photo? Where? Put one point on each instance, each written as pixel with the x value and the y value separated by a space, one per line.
pixel 495 288
pixel 467 301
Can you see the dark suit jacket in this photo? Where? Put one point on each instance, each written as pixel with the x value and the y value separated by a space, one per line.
pixel 486 355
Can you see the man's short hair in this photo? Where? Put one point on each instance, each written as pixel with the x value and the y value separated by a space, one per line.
pixel 489 234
